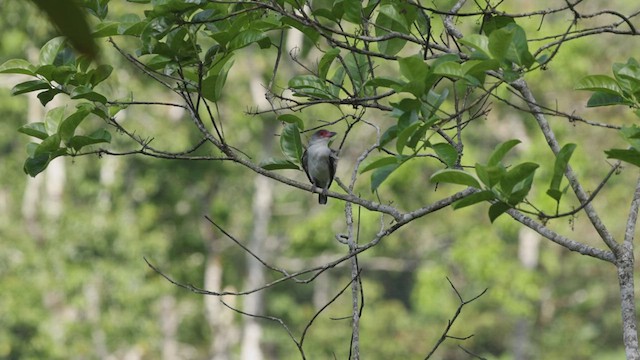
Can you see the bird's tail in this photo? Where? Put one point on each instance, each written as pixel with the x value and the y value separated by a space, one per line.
pixel 322 199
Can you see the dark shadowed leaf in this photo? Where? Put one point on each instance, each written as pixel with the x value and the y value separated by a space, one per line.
pixel 455 176
pixel 632 156
pixel 497 209
pixel 501 150
pixel 480 196
pixel 69 18
pixel 380 174
pixel 278 164
pixel 560 166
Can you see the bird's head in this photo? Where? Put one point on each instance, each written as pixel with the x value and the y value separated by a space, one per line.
pixel 322 134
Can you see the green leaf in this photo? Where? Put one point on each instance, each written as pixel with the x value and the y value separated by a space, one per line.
pixel 356 66
pixel 46 96
pixel 390 134
pixel 53 118
pixel 477 69
pixel 246 38
pixel 385 82
pixel 213 84
pixel 85 92
pixel 447 153
pixel 100 74
pixel 497 209
pixel 278 164
pixel 517 174
pixel 68 126
pixel 631 156
pixel 106 29
pixel 455 176
pixel 389 19
pixel 100 136
pixel 520 191
pixel 292 119
pixel 480 196
pixel 291 144
pixel 352 11
pixel 492 23
pixel 418 135
pixel 405 134
pixel 501 150
pixel 479 43
pixel 325 62
pixel 378 163
pixel 29 86
pixel 490 175
pixel 559 168
pixel 509 44
pixel 449 69
pixel 600 83
pixel 48 145
pixel 35 129
pixel 35 165
pixel 380 174
pixel 600 98
pixel 310 85
pixel 17 66
pixel 631 134
pixel 50 50
pixel 413 67
pixel 71 20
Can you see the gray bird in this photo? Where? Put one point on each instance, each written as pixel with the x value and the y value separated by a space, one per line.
pixel 320 162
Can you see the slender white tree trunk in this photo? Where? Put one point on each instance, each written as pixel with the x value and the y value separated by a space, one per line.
pixel 262 203
pixel 528 255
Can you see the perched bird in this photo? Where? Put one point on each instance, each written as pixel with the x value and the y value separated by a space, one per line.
pixel 320 162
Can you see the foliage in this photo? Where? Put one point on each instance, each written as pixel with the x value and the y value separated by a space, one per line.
pixel 411 87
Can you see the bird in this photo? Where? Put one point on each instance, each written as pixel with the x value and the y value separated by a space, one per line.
pixel 319 162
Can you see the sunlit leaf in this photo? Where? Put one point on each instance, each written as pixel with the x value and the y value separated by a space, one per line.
pixel 292 119
pixel 601 83
pixel 447 153
pixel 35 129
pixel 290 143
pixel 17 66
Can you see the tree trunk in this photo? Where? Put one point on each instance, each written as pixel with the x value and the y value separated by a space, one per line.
pixel 262 203
pixel 528 255
pixel 627 302
pixel 220 318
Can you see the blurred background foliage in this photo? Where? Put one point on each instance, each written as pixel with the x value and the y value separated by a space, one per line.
pixel 74 285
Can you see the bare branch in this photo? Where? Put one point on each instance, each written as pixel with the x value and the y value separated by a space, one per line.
pixel 445 333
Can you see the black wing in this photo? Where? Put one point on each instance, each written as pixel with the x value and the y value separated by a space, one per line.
pixel 333 165
pixel 304 165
